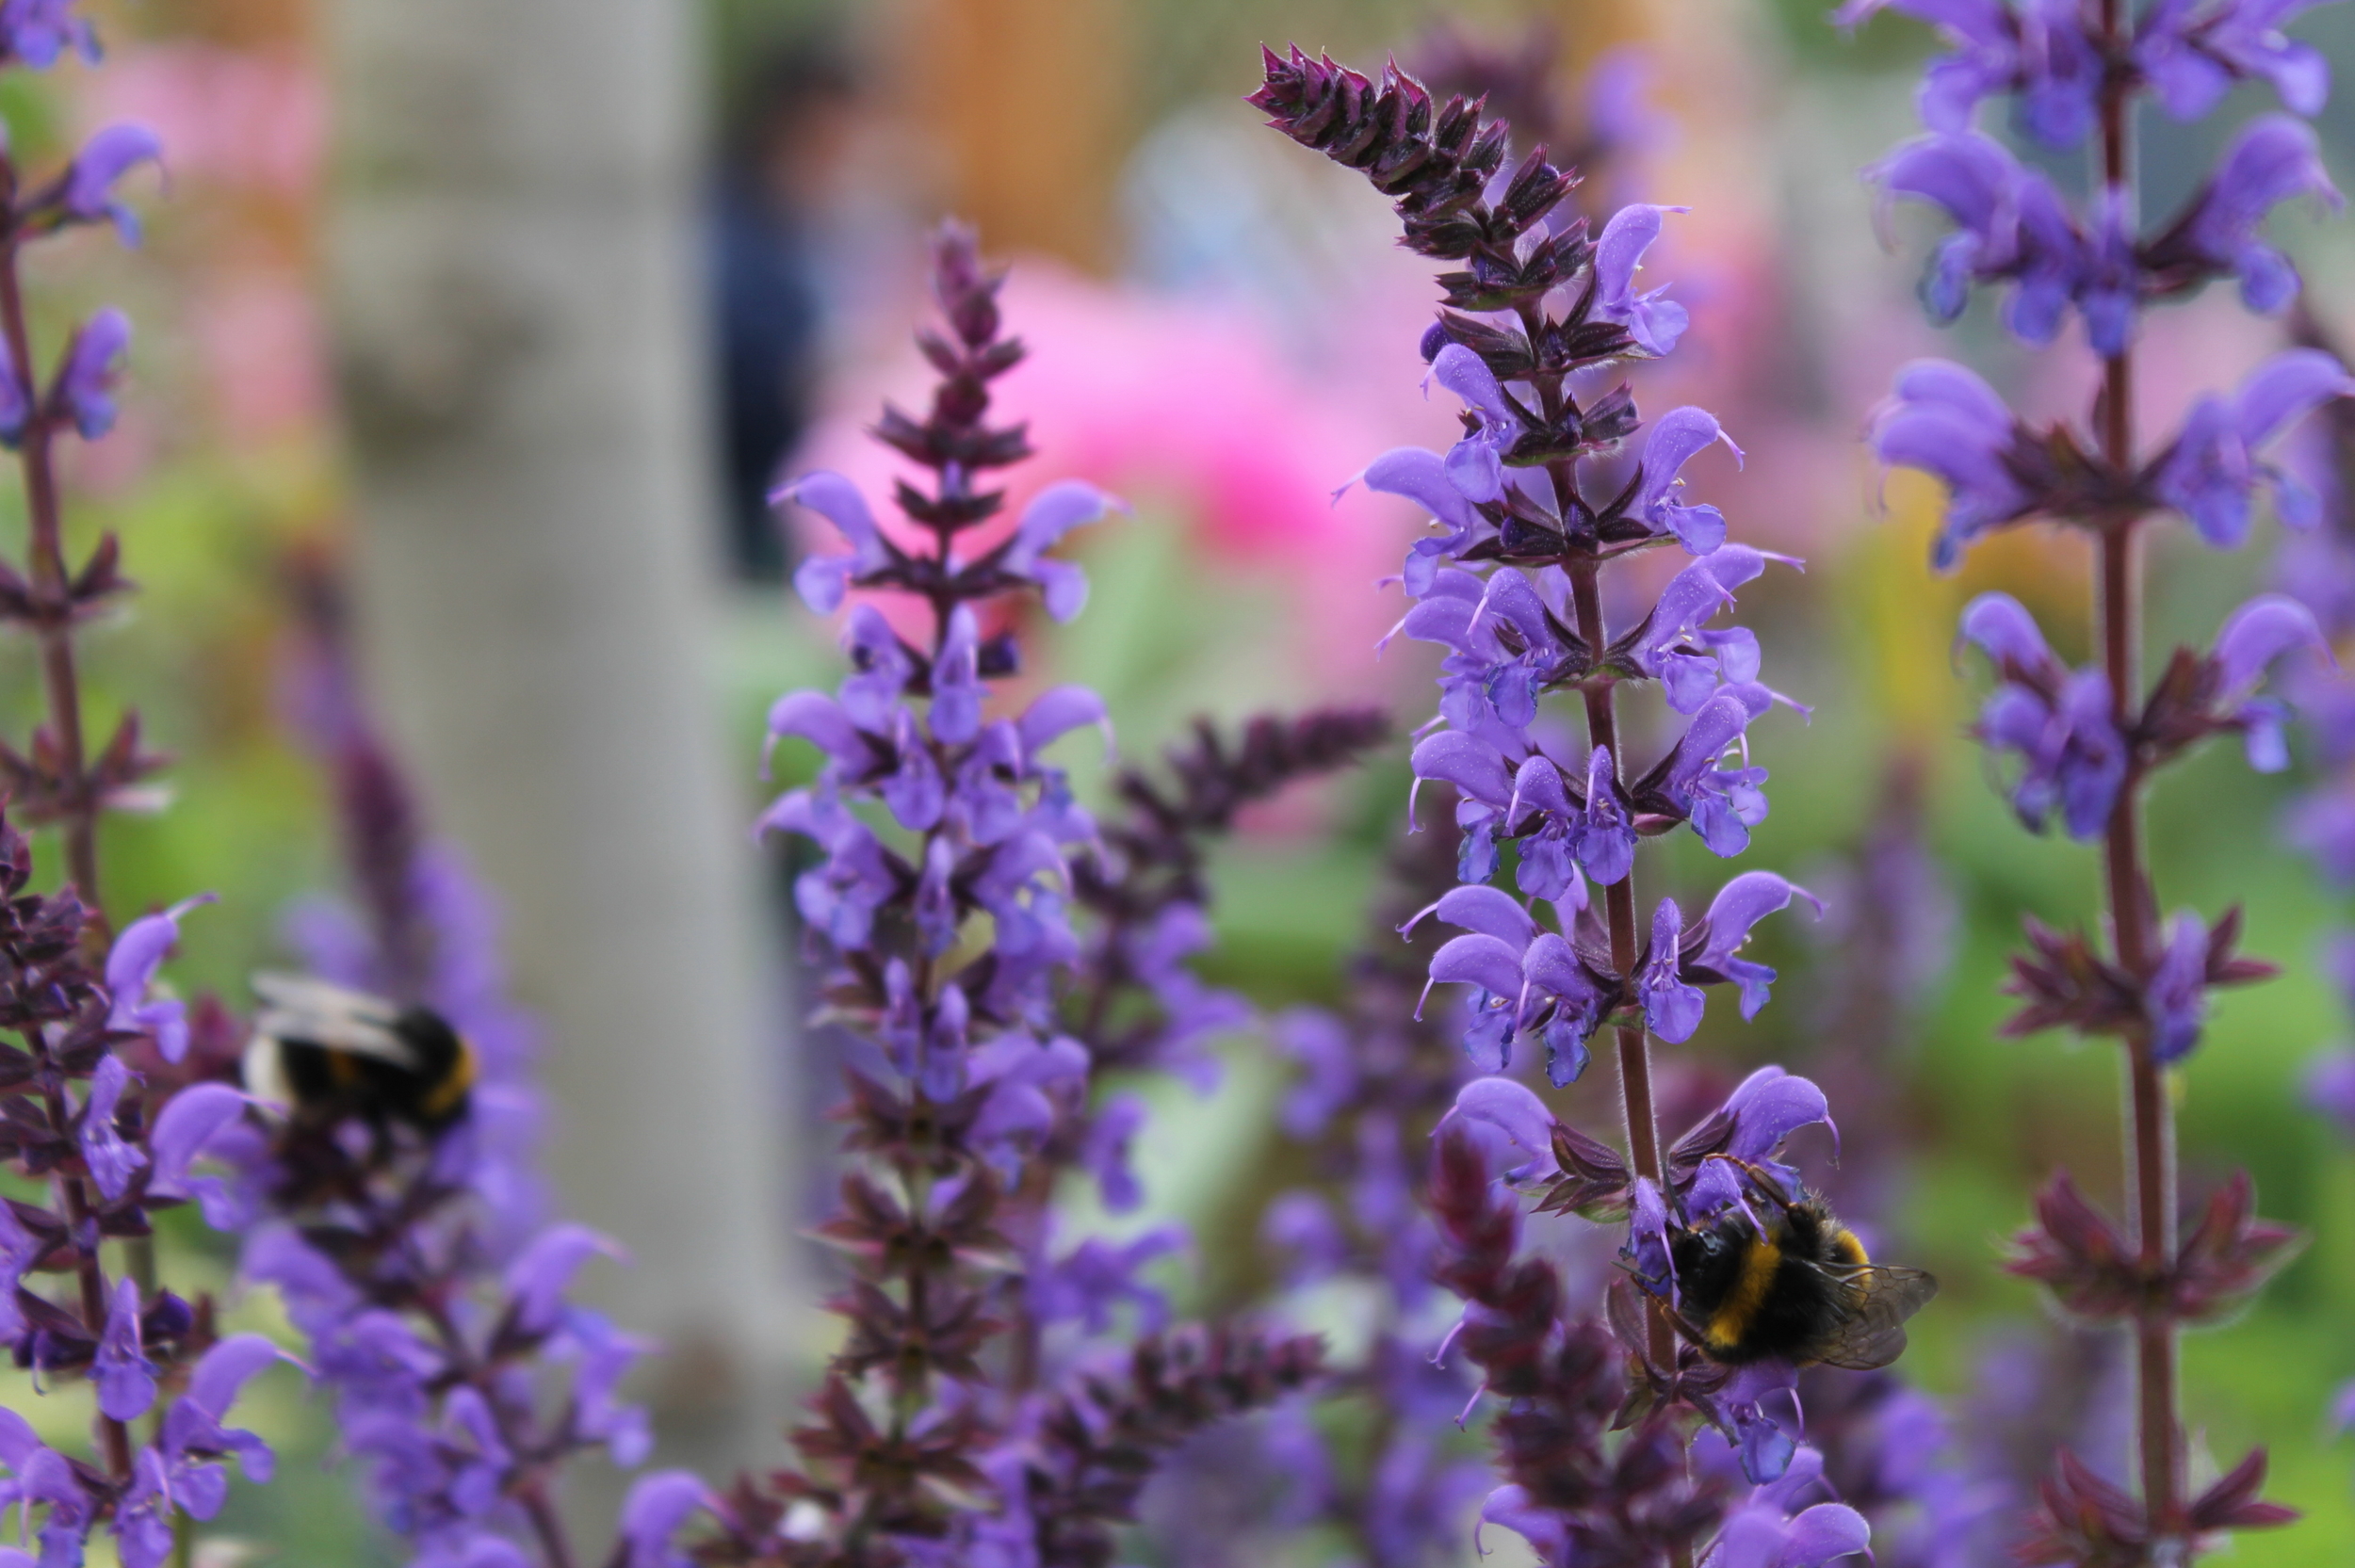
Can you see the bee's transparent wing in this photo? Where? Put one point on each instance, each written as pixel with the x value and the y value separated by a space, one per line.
pixel 296 1006
pixel 1873 1333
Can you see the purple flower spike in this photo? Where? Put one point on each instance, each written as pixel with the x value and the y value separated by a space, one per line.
pixel 106 157
pixel 2273 160
pixel 1677 437
pixel 1653 322
pixel 2211 475
pixel 124 1375
pixel 823 580
pixel 1065 505
pixel 131 967
pixel 1740 905
pixel 86 385
pixel 1672 1008
pixel 1947 422
pixel 111 1160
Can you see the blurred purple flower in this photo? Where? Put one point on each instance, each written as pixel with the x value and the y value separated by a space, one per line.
pixel 1946 421
pixel 86 386
pixel 88 194
pixel 2210 472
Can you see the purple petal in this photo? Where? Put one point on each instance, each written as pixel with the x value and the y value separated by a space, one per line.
pixel 2261 631
pixel 838 501
pixel 1420 476
pixel 1479 959
pixel 657 1507
pixel 1488 910
pixel 223 1371
pixel 125 1379
pixel 1472 765
pixel 1741 904
pixel 1769 1106
pixel 108 156
pixel 182 1129
pixel 1065 505
pixel 90 370
pixel 536 1280
pixel 1677 437
pixel 2001 626
pixel 1466 375
pixel 2285 389
pixel 820 719
pixel 1059 712
pixel 111 1160
pixel 1821 1533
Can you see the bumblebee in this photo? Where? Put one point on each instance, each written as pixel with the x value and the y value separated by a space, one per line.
pixel 325 1054
pixel 1796 1286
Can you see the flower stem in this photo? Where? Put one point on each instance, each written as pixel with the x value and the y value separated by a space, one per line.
pixel 2149 1123
pixel 1633 1040
pixel 53 609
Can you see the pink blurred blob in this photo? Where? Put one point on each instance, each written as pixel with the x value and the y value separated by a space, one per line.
pixel 240 118
pixel 1183 408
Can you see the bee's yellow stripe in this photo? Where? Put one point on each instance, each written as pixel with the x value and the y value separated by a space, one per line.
pixel 1848 1246
pixel 1732 1320
pixel 452 1088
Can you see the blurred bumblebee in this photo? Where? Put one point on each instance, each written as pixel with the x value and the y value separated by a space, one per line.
pixel 325 1054
pixel 1797 1286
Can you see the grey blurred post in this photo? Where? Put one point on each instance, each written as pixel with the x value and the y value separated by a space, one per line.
pixel 516 278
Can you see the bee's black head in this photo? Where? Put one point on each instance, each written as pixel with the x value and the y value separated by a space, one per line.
pixel 1708 1260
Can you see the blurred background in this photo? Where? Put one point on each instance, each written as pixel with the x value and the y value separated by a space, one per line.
pixel 502 315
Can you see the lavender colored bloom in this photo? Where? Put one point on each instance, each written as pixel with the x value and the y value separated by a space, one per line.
pixel 2192 53
pixel 1090 1282
pixel 1721 804
pixel 1739 906
pixel 131 967
pixel 2210 472
pixel 2060 723
pixel 1946 421
pixel 1653 322
pixel 1672 648
pixel 124 1375
pixel 90 195
pixel 2011 226
pixel 2268 628
pixel 91 367
pixel 37 32
pixel 1513 1127
pixel 2177 994
pixel 823 580
pixel 111 1160
pixel 1065 505
pixel 1677 437
pixel 1672 1006
pixel 2273 160
pixel 2040 50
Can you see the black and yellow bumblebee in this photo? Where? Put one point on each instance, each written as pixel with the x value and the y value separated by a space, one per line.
pixel 1797 1286
pixel 325 1054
